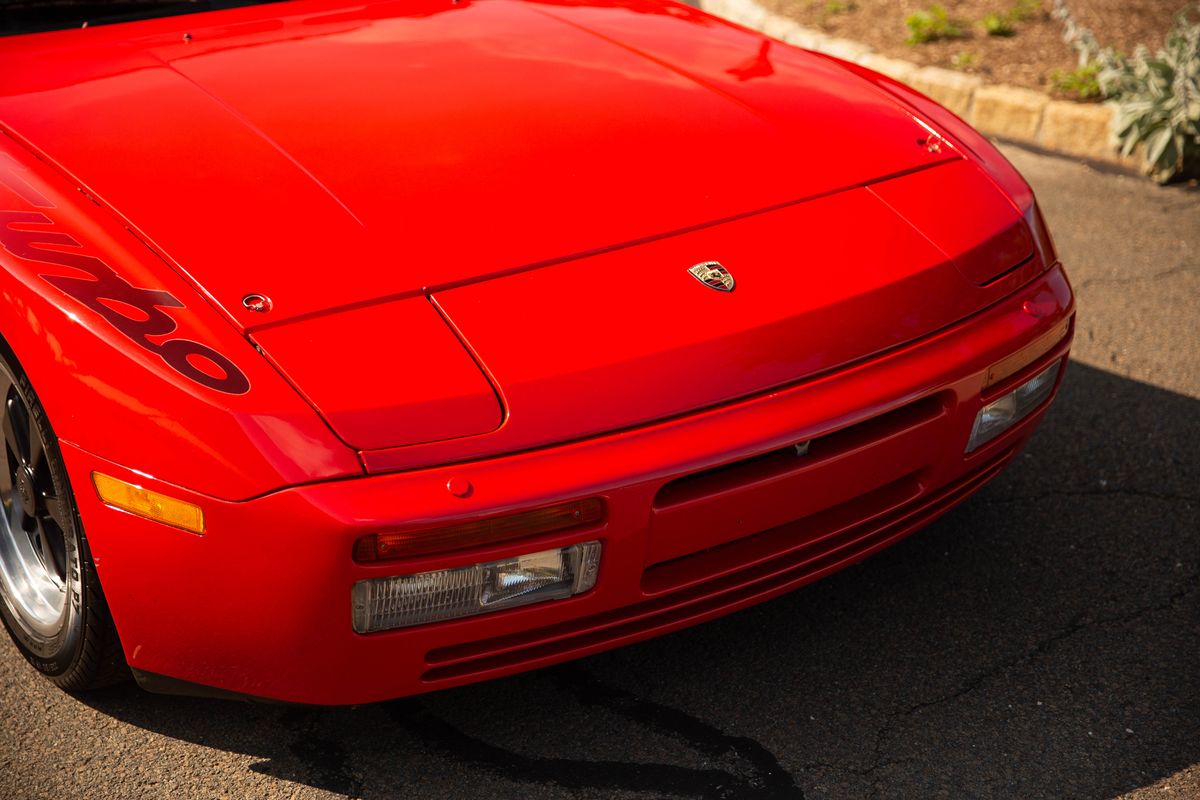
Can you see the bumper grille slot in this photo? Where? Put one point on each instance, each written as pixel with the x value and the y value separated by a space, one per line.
pixel 820 532
pixel 784 460
pixel 756 578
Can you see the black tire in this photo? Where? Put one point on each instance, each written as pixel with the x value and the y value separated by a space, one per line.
pixel 70 637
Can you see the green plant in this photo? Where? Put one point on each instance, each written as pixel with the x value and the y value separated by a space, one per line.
pixel 832 8
pixel 835 7
pixel 1082 82
pixel 931 25
pixel 964 60
pixel 1024 9
pixel 1157 98
pixel 998 25
pixel 1004 23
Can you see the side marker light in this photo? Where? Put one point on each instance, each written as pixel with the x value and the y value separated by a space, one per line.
pixel 145 503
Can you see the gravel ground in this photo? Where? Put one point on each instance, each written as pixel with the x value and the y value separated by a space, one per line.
pixel 1039 641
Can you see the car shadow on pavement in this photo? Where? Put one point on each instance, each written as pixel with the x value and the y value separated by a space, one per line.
pixel 1039 641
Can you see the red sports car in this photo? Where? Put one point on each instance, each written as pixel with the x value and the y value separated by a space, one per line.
pixel 354 350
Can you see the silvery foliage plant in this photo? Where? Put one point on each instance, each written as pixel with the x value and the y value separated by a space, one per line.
pixel 1157 98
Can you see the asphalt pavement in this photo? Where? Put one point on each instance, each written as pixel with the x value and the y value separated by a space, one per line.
pixel 1042 640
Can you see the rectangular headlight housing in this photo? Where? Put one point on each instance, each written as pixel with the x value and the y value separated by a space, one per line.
pixel 397 602
pixel 1004 412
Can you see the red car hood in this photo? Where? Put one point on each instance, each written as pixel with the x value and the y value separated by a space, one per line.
pixel 326 156
pixel 379 169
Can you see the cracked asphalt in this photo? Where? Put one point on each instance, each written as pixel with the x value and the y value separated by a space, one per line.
pixel 1042 640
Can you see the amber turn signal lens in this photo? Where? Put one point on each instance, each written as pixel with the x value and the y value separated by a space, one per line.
pixel 386 546
pixel 1028 354
pixel 148 504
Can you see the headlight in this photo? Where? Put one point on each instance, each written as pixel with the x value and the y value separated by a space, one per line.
pixel 1001 414
pixel 382 603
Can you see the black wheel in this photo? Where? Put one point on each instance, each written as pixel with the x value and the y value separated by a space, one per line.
pixel 50 597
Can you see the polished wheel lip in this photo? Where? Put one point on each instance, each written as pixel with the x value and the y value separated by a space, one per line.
pixel 35 580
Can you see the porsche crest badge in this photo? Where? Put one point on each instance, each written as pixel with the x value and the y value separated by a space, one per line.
pixel 713 275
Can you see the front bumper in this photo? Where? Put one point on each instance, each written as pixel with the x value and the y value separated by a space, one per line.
pixel 706 514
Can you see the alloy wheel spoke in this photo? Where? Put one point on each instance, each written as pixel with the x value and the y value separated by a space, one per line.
pixel 7 389
pixel 9 429
pixel 8 457
pixel 16 427
pixel 34 438
pixel 53 555
pixel 43 480
pixel 46 551
pixel 54 510
pixel 7 470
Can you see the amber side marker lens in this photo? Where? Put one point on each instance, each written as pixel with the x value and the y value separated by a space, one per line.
pixel 1011 365
pixel 148 504
pixel 387 546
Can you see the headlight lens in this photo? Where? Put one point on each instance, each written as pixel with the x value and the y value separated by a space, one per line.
pixel 384 603
pixel 1001 414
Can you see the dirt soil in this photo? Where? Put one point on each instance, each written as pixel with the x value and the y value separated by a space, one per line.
pixel 1028 58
